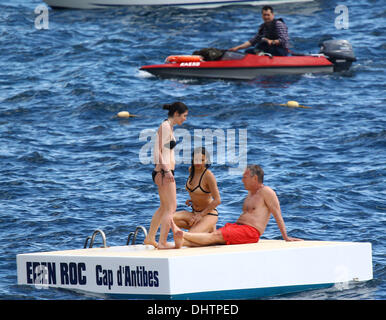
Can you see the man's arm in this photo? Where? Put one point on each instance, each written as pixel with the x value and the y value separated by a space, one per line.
pixel 245 45
pixel 273 205
pixel 251 42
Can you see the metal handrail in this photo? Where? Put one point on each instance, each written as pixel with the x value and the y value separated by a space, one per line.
pixel 129 237
pixel 93 238
pixel 85 244
pixel 134 234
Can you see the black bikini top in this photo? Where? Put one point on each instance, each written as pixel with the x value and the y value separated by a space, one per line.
pixel 171 144
pixel 198 186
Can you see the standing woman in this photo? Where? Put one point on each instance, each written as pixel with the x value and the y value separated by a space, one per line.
pixel 163 177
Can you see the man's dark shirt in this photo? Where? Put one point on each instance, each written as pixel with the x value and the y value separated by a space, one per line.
pixel 282 33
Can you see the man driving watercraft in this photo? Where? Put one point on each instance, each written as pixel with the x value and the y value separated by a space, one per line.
pixel 272 36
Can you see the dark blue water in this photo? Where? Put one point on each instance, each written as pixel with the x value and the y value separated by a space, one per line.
pixel 68 166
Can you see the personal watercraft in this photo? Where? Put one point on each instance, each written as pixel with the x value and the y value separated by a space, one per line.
pixel 334 56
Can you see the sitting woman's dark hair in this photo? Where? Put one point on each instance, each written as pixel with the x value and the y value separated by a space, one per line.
pixel 179 107
pixel 203 151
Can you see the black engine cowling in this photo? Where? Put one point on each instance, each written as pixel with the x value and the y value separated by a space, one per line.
pixel 339 52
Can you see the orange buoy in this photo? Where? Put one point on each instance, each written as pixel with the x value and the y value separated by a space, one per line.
pixel 185 58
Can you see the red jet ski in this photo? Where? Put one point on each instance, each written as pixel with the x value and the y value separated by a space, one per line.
pixel 335 55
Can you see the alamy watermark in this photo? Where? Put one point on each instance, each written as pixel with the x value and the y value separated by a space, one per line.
pixel 342 20
pixel 225 147
pixel 40 277
pixel 341 277
pixel 42 18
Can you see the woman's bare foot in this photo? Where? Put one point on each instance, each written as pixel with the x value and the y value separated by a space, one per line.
pixel 167 245
pixel 178 238
pixel 150 242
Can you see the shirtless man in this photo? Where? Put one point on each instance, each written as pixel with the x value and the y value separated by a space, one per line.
pixel 257 208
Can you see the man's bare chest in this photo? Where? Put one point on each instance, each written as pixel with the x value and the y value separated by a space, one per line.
pixel 253 202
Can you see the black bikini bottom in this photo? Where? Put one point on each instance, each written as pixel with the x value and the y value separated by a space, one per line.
pixel 154 173
pixel 209 214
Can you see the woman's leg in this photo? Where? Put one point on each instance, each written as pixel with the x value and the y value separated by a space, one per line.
pixel 206 224
pixel 167 193
pixel 157 217
pixel 204 239
pixel 182 219
pixel 154 225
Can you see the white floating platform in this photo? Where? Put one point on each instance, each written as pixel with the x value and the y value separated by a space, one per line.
pixel 247 271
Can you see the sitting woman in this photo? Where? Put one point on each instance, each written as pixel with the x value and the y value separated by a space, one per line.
pixel 204 196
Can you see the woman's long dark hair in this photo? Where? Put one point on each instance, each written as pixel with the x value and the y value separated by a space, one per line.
pixel 178 107
pixel 203 151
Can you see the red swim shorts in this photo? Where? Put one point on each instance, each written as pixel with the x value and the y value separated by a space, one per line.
pixel 234 233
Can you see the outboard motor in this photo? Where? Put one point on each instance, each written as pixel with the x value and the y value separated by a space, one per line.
pixel 339 52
